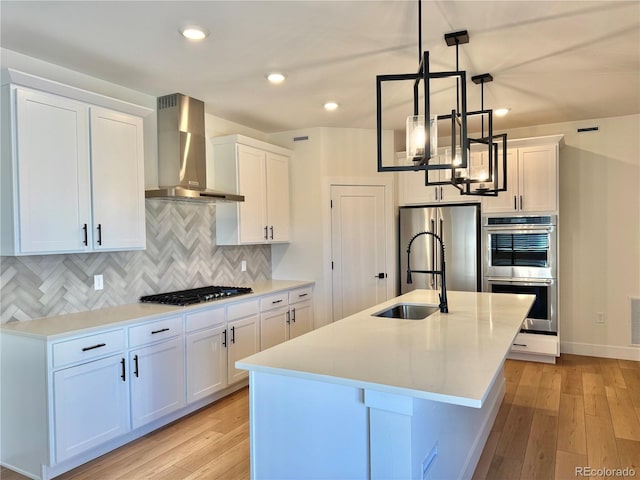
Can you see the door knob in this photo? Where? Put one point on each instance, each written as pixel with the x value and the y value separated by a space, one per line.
pixel 380 275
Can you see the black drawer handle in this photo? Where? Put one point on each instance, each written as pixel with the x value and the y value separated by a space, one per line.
pixel 86 349
pixel 276 301
pixel 224 341
pixel 302 295
pixel 99 234
pixel 86 239
pixel 123 376
pixel 160 331
pixel 520 344
pixel 233 334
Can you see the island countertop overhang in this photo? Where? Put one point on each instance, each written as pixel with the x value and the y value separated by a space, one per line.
pixel 451 358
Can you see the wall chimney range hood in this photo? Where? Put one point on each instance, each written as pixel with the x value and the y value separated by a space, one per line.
pixel 182 173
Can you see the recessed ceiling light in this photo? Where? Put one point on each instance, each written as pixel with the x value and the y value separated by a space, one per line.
pixel 501 112
pixel 330 106
pixel 193 32
pixel 275 77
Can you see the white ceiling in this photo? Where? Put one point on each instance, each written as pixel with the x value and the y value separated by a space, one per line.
pixel 551 61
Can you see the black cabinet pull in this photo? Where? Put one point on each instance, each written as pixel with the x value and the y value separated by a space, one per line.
pixel 85 233
pixel 99 234
pixel 289 317
pixel 305 294
pixel 160 331
pixel 135 365
pixel 520 344
pixel 271 232
pixel 224 338
pixel 293 315
pixel 515 202
pixel 233 334
pixel 276 301
pixel 123 376
pixel 85 349
pixel 266 236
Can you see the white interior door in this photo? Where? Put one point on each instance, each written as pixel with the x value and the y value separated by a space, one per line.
pixel 358 244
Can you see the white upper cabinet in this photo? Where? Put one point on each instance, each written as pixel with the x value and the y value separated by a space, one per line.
pixel 260 172
pixel 532 178
pixel 117 165
pixel 72 176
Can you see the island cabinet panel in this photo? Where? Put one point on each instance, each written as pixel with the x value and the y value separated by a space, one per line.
pixel 73 176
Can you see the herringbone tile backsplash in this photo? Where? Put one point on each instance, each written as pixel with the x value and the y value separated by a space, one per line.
pixel 181 253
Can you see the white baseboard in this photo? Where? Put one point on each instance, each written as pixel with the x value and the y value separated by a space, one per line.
pixel 606 351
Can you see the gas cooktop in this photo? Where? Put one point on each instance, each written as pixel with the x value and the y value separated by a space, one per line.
pixel 195 295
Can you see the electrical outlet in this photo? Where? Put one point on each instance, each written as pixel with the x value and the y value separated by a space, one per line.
pixel 98 282
pixel 600 317
pixel 243 265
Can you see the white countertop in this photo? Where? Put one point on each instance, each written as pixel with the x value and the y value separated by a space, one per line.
pixel 452 358
pixel 52 328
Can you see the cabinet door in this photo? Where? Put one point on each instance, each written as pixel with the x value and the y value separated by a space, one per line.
pixel 157 381
pixel 243 340
pixel 117 161
pixel 274 327
pixel 505 202
pixel 90 405
pixel 538 173
pixel 251 184
pixel 278 197
pixel 301 319
pixel 206 363
pixel 53 173
pixel 413 190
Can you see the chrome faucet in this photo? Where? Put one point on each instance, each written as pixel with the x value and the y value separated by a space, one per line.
pixel 444 307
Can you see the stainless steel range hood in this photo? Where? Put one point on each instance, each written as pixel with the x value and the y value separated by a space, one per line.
pixel 182 173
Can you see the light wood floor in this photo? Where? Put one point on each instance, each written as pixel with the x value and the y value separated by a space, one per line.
pixel 581 412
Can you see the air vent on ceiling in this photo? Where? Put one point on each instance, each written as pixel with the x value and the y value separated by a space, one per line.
pixel 301 139
pixel 588 129
pixel 168 101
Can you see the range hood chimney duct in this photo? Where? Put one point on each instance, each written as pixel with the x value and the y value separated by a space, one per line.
pixel 182 173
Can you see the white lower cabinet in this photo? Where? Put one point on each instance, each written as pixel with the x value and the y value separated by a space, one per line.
pixel 157 381
pixel 285 315
pixel 206 353
pixel 76 396
pixel 243 339
pixel 91 405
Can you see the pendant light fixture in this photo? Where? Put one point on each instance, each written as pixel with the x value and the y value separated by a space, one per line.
pixel 422 125
pixel 484 177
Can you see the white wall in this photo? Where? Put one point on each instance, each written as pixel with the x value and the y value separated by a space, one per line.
pixel 340 155
pixel 599 232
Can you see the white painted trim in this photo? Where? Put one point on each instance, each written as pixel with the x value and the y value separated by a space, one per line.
pixel 17 77
pixel 385 181
pixel 536 141
pixel 251 142
pixel 605 351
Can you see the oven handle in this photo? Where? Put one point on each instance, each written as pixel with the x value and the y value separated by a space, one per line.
pixel 518 229
pixel 523 281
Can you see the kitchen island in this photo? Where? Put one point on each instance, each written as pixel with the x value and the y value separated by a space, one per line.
pixel 376 397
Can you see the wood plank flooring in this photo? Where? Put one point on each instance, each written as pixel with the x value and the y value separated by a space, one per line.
pixel 581 412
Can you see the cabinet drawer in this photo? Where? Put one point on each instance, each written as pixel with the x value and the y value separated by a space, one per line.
pixel 300 294
pixel 207 318
pixel 532 343
pixel 274 301
pixel 240 310
pixel 87 348
pixel 154 331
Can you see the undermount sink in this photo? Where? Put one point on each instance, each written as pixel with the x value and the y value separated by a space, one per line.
pixel 408 311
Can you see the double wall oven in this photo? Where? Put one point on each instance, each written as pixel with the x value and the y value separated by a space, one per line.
pixel 520 256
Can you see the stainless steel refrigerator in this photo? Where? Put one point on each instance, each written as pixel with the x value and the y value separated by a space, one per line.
pixel 459 228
